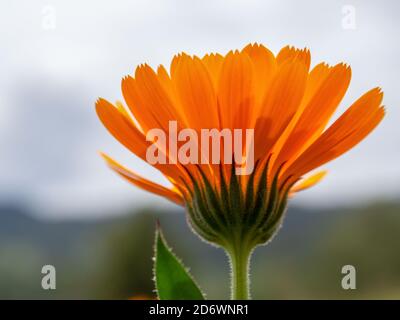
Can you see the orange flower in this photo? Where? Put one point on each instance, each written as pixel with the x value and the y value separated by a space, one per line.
pixel 288 106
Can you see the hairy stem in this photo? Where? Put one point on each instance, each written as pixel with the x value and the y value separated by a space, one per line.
pixel 240 262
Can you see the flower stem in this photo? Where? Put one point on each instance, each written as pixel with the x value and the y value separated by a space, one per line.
pixel 240 260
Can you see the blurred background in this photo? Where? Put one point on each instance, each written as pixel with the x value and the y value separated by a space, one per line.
pixel 60 205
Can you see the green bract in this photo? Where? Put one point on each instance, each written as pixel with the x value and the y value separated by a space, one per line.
pixel 230 216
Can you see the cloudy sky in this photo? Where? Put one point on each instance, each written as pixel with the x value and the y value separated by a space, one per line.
pixel 57 57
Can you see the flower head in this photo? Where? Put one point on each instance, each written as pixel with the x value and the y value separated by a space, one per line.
pixel 285 103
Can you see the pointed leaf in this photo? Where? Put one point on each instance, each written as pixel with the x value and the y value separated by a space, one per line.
pixel 173 281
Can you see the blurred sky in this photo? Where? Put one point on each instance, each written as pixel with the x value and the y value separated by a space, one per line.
pixel 57 57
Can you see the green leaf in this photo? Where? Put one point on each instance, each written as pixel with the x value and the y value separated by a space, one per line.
pixel 173 281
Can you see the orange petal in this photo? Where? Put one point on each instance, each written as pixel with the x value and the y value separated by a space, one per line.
pixel 165 81
pixel 122 128
pixel 264 66
pixel 126 133
pixel 289 53
pixel 235 91
pixel 316 114
pixel 347 131
pixel 213 63
pixel 175 62
pixel 170 194
pixel 315 78
pixel 196 93
pixel 280 105
pixel 148 101
pixel 309 182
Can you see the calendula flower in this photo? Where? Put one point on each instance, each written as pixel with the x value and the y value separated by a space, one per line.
pixel 288 106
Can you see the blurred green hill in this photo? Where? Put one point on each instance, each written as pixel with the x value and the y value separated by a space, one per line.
pixel 111 258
